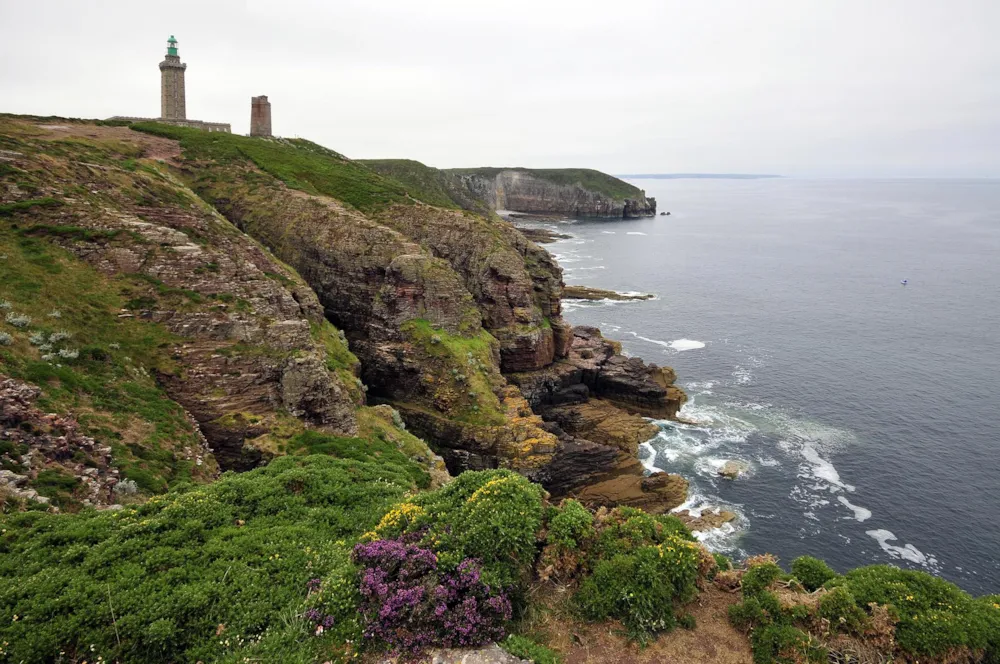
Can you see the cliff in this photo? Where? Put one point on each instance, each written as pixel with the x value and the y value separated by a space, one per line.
pixel 564 192
pixel 452 317
pixel 175 302
pixel 572 192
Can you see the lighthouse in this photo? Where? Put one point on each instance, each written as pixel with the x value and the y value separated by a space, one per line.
pixel 172 106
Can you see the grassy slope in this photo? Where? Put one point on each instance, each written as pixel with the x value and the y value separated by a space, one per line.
pixel 109 384
pixel 423 182
pixel 589 179
pixel 298 163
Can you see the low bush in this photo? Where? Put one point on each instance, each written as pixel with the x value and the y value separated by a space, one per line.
pixel 841 609
pixel 197 575
pixel 759 577
pixel 525 648
pixel 785 644
pixel 407 604
pixel 812 572
pixel 625 529
pixel 643 588
pixel 492 516
pixel 934 616
pixel 571 525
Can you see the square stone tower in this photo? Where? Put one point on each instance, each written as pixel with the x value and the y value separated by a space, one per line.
pixel 260 116
pixel 172 105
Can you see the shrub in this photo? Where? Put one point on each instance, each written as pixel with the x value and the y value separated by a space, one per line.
pixel 237 553
pixel 784 644
pixel 759 577
pixel 722 562
pixel 934 616
pixel 525 648
pixel 409 606
pixel 840 608
pixel 642 588
pixel 18 320
pixel 571 525
pixel 625 529
pixel 6 339
pixel 491 516
pixel 812 572
pixel 761 609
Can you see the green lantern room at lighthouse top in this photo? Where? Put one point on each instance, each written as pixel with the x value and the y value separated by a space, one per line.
pixel 171 46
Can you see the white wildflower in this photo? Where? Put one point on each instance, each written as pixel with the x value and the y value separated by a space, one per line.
pixel 5 339
pixel 18 320
pixel 37 339
pixel 67 354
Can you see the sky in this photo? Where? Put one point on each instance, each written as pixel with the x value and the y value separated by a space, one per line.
pixel 810 88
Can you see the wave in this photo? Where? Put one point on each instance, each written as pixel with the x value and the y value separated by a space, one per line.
pixel 686 344
pixel 634 233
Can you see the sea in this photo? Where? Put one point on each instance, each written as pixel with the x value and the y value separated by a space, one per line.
pixel 866 410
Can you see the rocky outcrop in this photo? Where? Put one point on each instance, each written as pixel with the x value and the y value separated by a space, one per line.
pixel 594 367
pixel 492 259
pixel 248 333
pixel 600 422
pixel 523 190
pixel 588 293
pixel 627 484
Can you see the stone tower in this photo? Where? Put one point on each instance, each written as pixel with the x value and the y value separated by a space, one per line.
pixel 260 116
pixel 172 105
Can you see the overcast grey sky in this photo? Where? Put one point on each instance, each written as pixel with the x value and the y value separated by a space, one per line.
pixel 798 87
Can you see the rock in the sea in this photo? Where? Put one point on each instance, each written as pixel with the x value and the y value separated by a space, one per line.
pixel 708 520
pixel 732 469
pixel 588 293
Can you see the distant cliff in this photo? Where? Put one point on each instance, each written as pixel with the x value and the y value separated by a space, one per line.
pixel 563 191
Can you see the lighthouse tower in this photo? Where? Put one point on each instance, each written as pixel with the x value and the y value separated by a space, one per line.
pixel 172 84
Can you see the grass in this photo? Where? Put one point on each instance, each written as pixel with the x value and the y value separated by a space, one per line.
pixel 109 385
pixel 298 163
pixel 589 179
pixel 9 209
pixel 465 368
pixel 423 182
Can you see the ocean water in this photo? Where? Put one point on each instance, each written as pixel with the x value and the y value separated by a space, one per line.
pixel 867 411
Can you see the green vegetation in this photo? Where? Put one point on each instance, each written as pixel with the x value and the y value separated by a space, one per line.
pixel 9 209
pixel 298 163
pixel 216 573
pixel 812 572
pixel 589 179
pixel 423 182
pixel 898 613
pixel 104 372
pixel 643 568
pixel 358 449
pixel 571 526
pixel 491 516
pixel 525 648
pixel 467 368
pixel 934 616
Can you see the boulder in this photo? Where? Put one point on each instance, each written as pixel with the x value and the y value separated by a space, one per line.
pixel 732 469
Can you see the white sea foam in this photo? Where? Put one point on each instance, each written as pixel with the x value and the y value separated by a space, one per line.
pixel 823 469
pixel 860 513
pixel 686 344
pixel 607 232
pixel 634 233
pixel 906 552
pixel 742 376
pixel 665 344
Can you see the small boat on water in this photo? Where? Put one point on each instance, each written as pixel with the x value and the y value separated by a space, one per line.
pixel 903 282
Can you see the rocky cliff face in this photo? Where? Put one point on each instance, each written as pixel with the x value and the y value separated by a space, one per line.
pixel 454 317
pixel 246 349
pixel 523 191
